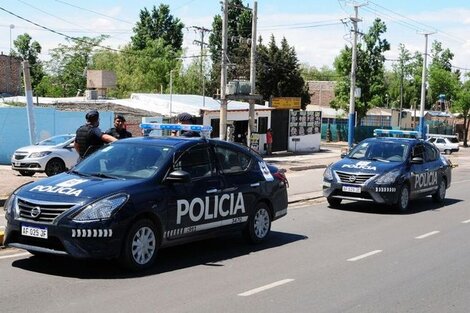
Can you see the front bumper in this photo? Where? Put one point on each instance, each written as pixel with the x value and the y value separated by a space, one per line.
pixel 370 192
pixel 36 165
pixel 100 239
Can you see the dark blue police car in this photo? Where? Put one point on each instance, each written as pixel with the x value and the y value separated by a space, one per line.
pixel 136 195
pixel 388 170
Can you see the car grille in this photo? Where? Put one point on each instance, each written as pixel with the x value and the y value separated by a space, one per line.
pixel 44 212
pixel 20 156
pixel 352 178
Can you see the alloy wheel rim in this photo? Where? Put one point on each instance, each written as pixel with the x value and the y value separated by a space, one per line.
pixel 404 198
pixel 261 223
pixel 442 190
pixel 143 245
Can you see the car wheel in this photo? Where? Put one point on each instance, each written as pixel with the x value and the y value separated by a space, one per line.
pixel 54 166
pixel 26 173
pixel 440 193
pixel 334 202
pixel 259 224
pixel 140 246
pixel 447 151
pixel 403 199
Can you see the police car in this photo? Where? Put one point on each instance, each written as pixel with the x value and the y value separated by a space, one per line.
pixel 390 170
pixel 137 195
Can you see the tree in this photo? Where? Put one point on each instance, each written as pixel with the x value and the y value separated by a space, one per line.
pixel 69 63
pixel 238 50
pixel 278 72
pixel 28 50
pixel 370 71
pixel 462 106
pixel 158 24
pixel 324 73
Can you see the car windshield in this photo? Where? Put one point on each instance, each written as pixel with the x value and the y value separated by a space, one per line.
pixel 124 161
pixel 56 140
pixel 385 151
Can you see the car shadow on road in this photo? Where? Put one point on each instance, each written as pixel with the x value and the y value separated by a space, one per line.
pixel 210 252
pixel 416 206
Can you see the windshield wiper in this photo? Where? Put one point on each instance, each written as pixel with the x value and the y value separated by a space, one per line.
pixel 379 159
pixel 79 173
pixel 102 175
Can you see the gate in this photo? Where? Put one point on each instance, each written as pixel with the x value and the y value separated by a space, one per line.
pixel 280 127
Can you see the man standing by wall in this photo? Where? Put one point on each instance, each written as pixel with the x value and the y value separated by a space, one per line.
pixel 89 137
pixel 119 130
pixel 269 142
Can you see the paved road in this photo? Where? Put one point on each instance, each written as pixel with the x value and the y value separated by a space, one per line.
pixel 360 258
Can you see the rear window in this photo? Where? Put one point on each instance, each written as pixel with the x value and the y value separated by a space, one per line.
pixel 453 140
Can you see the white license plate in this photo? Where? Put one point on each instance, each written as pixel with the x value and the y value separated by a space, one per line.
pixel 17 163
pixel 37 232
pixel 352 189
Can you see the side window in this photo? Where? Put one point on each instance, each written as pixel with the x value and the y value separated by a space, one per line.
pixel 232 161
pixel 431 153
pixel 440 140
pixel 197 162
pixel 432 140
pixel 418 151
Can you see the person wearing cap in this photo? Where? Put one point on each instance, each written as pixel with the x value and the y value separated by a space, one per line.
pixel 119 130
pixel 186 118
pixel 89 137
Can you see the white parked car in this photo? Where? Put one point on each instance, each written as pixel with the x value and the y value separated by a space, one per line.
pixel 445 143
pixel 51 156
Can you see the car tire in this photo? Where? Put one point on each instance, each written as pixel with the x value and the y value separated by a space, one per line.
pixel 54 166
pixel 26 173
pixel 440 193
pixel 259 224
pixel 403 202
pixel 334 202
pixel 447 151
pixel 140 246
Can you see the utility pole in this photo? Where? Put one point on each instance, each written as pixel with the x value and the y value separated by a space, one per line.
pixel 422 129
pixel 223 75
pixel 401 93
pixel 201 42
pixel 29 103
pixel 352 112
pixel 251 113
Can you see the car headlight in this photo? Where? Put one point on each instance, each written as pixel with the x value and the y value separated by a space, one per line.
pixel 102 209
pixel 39 154
pixel 10 204
pixel 328 173
pixel 388 178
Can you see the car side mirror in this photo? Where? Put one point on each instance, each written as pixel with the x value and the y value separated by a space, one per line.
pixel 343 155
pixel 178 177
pixel 417 160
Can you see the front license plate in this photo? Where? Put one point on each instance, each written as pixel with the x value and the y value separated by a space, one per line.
pixel 17 163
pixel 31 231
pixel 352 189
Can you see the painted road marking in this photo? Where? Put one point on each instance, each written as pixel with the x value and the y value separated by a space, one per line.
pixel 265 287
pixel 16 255
pixel 466 222
pixel 428 234
pixel 365 255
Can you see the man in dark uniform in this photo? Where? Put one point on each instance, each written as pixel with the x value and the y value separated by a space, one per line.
pixel 186 118
pixel 119 131
pixel 89 137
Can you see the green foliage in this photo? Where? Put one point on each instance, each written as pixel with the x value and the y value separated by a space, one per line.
pixel 155 25
pixel 370 71
pixel 462 106
pixel 278 72
pixel 322 74
pixel 29 50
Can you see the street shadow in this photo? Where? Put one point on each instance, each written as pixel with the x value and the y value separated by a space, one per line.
pixel 416 206
pixel 210 252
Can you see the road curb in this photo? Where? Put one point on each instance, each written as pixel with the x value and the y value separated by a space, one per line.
pixel 2 201
pixel 305 199
pixel 307 167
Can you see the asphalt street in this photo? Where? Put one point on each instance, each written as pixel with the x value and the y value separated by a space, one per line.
pixel 359 258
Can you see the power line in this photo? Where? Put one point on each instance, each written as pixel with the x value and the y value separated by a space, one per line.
pixel 97 13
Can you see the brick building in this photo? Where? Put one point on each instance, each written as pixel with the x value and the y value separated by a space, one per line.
pixel 321 92
pixel 10 75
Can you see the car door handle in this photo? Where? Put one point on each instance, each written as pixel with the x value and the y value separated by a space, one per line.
pixel 255 184
pixel 215 190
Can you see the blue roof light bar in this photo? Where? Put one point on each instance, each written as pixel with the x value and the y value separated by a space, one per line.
pixel 203 129
pixel 396 133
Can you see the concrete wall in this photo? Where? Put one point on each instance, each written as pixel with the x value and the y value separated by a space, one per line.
pixel 14 131
pixel 306 143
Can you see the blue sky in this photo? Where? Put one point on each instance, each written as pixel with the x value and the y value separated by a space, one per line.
pixel 313 27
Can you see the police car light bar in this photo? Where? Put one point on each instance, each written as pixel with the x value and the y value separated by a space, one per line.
pixel 396 133
pixel 177 127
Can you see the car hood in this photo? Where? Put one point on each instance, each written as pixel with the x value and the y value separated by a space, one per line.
pixel 365 166
pixel 36 148
pixel 71 188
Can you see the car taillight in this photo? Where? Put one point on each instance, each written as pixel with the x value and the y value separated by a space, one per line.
pixel 281 177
